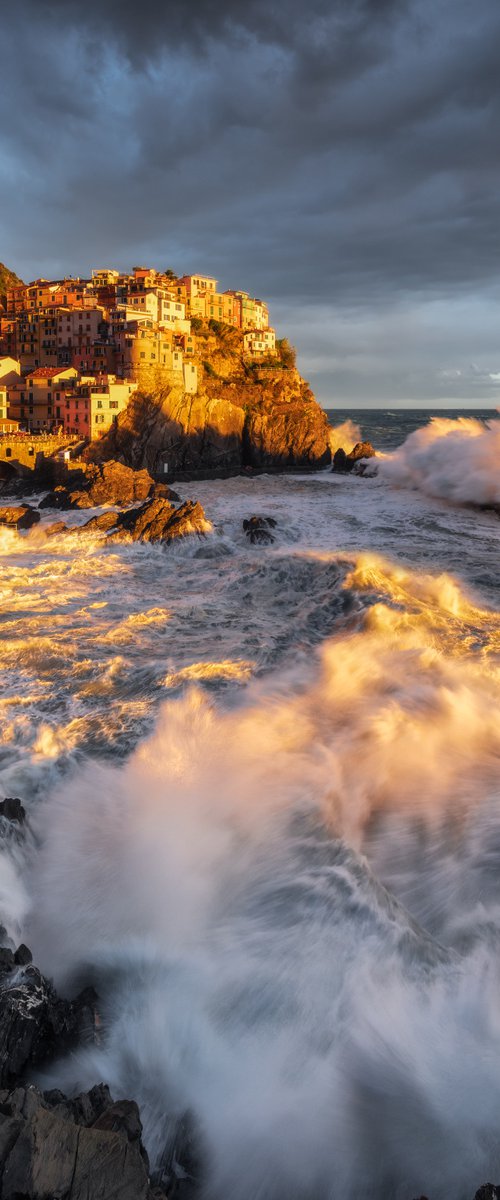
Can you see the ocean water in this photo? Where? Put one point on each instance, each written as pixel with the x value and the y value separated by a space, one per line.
pixel 263 786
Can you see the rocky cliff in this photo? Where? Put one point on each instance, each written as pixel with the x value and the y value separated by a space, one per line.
pixel 7 279
pixel 245 414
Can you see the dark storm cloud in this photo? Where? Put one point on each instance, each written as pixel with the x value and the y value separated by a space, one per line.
pixel 142 29
pixel 343 152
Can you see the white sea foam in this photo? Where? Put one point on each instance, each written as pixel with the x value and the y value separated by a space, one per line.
pixel 456 460
pixel 252 968
pixel 223 878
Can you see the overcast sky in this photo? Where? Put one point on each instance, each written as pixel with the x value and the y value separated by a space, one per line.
pixel 339 159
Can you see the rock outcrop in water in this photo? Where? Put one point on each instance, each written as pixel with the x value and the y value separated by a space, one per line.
pixel 107 483
pixel 78 1149
pixel 345 462
pixel 243 415
pixel 155 521
pixel 21 516
pixel 85 1148
pixel 258 530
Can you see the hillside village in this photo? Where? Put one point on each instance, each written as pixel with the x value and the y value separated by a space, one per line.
pixel 73 351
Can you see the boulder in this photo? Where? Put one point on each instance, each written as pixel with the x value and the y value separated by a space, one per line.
pixel 34 1022
pixel 21 516
pixel 340 460
pixel 12 809
pixel 55 528
pixel 107 483
pixel 258 529
pixel 361 450
pixel 103 522
pixel 343 462
pixel 88 1149
pixel 159 521
pixel 489 1191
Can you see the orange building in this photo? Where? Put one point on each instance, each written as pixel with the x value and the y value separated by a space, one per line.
pixel 37 400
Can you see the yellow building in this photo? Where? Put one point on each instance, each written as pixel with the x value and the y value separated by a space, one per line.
pixel 93 404
pixel 259 342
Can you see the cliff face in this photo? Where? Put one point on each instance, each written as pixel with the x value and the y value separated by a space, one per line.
pixel 7 279
pixel 243 414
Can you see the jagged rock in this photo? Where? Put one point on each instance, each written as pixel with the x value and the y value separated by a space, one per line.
pixel 108 483
pixel 23 956
pixel 103 522
pixel 21 516
pixel 50 1150
pixel 361 450
pixel 159 521
pixel 163 491
pixel 34 1022
pixel 340 460
pixel 286 427
pixel 12 809
pixel 258 529
pixel 489 1191
pixel 55 528
pixel 346 462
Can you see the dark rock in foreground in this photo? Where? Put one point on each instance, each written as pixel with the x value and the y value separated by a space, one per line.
pixel 346 462
pixel 12 809
pixel 258 529
pixel 155 521
pixel 21 516
pixel 35 1024
pixel 83 1149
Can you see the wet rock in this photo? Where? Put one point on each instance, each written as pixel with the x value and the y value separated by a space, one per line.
pixel 258 529
pixel 340 460
pixel 34 1022
pixel 361 450
pixel 103 522
pixel 114 483
pixel 343 462
pixel 55 528
pixel 12 809
pixel 164 492
pixel 23 956
pixel 489 1191
pixel 159 521
pixel 21 516
pixel 107 483
pixel 46 1151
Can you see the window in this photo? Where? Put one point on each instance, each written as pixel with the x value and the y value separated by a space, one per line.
pixel 8 452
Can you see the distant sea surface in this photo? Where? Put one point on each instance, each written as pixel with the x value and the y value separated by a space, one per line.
pixel 387 428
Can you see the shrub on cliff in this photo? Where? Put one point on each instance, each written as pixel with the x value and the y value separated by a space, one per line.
pixel 287 353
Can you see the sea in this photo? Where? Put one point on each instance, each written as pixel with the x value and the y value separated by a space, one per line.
pixel 263 797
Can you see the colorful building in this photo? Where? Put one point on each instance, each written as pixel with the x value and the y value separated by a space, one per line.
pixel 36 400
pixel 92 405
pixel 259 342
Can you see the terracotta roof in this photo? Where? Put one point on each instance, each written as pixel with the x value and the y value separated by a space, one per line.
pixel 46 372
